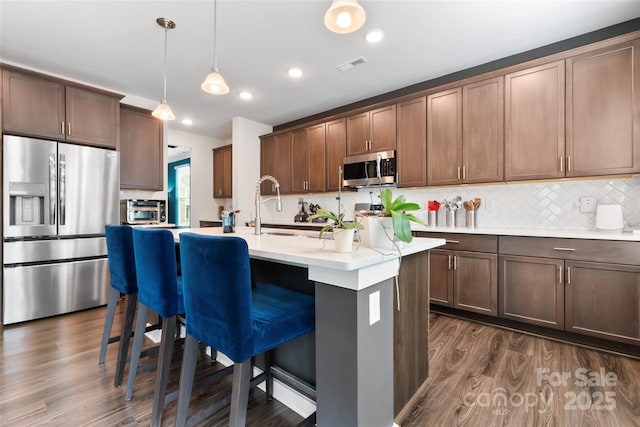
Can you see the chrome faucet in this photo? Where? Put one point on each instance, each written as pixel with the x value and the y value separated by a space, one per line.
pixel 263 178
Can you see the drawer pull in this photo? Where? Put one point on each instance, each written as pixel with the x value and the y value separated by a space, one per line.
pixel 452 241
pixel 564 249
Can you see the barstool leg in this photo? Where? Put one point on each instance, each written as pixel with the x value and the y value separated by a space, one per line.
pixel 187 373
pixel 131 301
pixel 162 371
pixel 268 357
pixel 141 321
pixel 114 294
pixel 240 393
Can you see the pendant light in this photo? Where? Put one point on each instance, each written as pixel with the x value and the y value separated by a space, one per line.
pixel 163 111
pixel 344 16
pixel 214 83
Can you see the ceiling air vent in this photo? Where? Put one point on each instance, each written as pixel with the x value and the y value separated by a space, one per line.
pixel 352 63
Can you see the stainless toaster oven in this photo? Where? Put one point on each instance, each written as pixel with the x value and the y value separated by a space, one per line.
pixel 143 211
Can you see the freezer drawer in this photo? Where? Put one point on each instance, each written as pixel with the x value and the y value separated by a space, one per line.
pixel 32 292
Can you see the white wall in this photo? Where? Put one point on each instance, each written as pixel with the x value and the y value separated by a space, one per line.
pixel 246 164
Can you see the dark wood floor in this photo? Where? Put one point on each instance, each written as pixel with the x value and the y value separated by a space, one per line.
pixel 483 376
pixel 49 375
pixel 479 376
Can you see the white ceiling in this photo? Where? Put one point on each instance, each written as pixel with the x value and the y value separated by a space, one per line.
pixel 117 45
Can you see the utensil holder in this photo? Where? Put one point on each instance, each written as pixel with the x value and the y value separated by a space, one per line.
pixel 470 219
pixel 432 219
pixel 451 218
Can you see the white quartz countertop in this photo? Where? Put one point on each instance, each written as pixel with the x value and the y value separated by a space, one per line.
pixel 499 231
pixel 535 232
pixel 305 249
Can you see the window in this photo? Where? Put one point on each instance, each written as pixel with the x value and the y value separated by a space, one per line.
pixel 183 187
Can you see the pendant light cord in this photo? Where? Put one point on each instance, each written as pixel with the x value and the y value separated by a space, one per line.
pixel 164 90
pixel 215 27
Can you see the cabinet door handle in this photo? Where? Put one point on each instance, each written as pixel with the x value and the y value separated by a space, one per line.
pixel 458 172
pixel 455 262
pixel 561 163
pixel 560 274
pixel 69 128
pixel 568 163
pixel 62 128
pixel 452 241
pixel 568 275
pixel 464 172
pixel 449 262
pixel 564 249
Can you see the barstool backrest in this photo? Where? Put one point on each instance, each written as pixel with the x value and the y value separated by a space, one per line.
pixel 155 259
pixel 216 276
pixel 122 268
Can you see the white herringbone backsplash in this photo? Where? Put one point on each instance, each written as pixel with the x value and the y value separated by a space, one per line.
pixel 549 205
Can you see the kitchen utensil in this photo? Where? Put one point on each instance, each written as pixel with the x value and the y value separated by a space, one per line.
pixel 476 203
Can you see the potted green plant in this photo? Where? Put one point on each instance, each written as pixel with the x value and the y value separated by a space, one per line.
pixel 394 220
pixel 342 230
pixel 397 209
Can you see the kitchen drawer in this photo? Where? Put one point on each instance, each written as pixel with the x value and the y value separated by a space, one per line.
pixel 617 252
pixel 465 242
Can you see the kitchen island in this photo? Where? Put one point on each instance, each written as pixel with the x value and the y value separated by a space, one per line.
pixel 354 334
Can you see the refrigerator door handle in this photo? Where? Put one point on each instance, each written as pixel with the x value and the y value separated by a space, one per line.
pixel 53 179
pixel 63 189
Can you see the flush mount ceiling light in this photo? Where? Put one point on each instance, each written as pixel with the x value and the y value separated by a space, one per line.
pixel 246 95
pixel 374 36
pixel 187 122
pixel 344 16
pixel 214 82
pixel 163 111
pixel 295 72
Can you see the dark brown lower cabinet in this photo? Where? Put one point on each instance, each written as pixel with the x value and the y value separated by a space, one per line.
pixel 464 280
pixel 603 300
pixel 440 277
pixel 532 290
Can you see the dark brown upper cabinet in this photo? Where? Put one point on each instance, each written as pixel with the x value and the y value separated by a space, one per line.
pixel 483 131
pixel 36 106
pixel 534 123
pixel 603 115
pixel 444 137
pixel 308 159
pixel 336 148
pixel 275 160
pixel 222 172
pixel 141 150
pixel 372 131
pixel 412 142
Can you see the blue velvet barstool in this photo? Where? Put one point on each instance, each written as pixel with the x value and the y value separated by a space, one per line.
pixel 159 289
pixel 223 311
pixel 122 271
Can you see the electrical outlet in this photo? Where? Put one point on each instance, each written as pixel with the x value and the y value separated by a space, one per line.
pixel 587 204
pixel 374 307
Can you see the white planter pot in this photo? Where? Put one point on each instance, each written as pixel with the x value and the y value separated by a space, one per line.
pixel 377 233
pixel 343 239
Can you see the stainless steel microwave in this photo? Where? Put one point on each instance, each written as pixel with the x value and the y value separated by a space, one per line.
pixel 370 169
pixel 143 211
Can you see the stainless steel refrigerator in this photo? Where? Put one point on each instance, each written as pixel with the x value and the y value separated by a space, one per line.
pixel 57 198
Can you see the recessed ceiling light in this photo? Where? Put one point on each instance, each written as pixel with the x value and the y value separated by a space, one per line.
pixel 374 36
pixel 295 72
pixel 187 122
pixel 246 95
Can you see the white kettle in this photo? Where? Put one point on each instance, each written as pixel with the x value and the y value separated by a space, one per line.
pixel 609 217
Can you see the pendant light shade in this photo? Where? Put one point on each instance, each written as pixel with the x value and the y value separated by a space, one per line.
pixel 163 111
pixel 344 16
pixel 214 82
